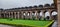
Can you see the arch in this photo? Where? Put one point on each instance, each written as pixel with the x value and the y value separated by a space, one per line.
pixel 54 14
pixel 53 11
pixel 47 5
pixel 47 14
pixel 45 11
pixel 38 11
pixel 2 15
pixel 28 13
pixel 33 13
pixel 41 13
pixel 24 13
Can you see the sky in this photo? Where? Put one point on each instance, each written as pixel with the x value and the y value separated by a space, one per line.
pixel 6 4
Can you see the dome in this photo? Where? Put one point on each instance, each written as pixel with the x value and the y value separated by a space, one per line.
pixel 40 5
pixel 35 6
pixel 52 4
pixel 30 6
pixel 47 5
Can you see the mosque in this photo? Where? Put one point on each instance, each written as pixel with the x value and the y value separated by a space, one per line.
pixel 33 11
pixel 29 12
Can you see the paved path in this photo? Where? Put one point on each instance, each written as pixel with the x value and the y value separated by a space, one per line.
pixel 1 25
pixel 54 24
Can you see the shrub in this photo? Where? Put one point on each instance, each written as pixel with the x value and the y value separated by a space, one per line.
pixel 39 18
pixel 44 18
pixel 33 18
pixel 28 18
pixel 24 18
pixel 10 19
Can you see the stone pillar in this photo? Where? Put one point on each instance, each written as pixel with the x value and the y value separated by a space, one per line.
pixel 26 14
pixel 7 15
pixel 30 14
pixel 15 15
pixel 18 14
pixel 43 15
pixel 4 14
pixel 58 8
pixel 22 15
pixel 0 14
pixel 50 14
pixel 36 14
pixel 11 14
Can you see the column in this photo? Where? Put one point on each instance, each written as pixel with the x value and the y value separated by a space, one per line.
pixel 22 16
pixel 18 14
pixel 50 14
pixel 36 14
pixel 30 14
pixel 43 14
pixel 0 14
pixel 26 14
pixel 4 14
pixel 11 14
pixel 15 15
pixel 58 8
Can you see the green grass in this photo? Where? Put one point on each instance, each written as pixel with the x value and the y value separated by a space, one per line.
pixel 26 22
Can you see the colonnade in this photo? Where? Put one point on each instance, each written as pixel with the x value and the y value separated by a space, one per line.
pixel 20 14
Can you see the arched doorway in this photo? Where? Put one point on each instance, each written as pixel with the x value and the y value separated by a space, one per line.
pixel 54 15
pixel 47 15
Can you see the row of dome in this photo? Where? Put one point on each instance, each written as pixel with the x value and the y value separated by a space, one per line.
pixel 46 5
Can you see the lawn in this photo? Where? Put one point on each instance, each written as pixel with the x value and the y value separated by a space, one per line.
pixel 32 23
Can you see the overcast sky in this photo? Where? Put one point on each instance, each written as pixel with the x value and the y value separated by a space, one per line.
pixel 22 3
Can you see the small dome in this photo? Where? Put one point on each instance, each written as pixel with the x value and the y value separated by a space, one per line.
pixel 47 5
pixel 22 7
pixel 1 8
pixel 35 6
pixel 30 6
pixel 52 4
pixel 19 8
pixel 26 7
pixel 15 8
pixel 40 5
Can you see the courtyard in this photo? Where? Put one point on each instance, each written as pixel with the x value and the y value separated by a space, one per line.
pixel 26 23
pixel 30 13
